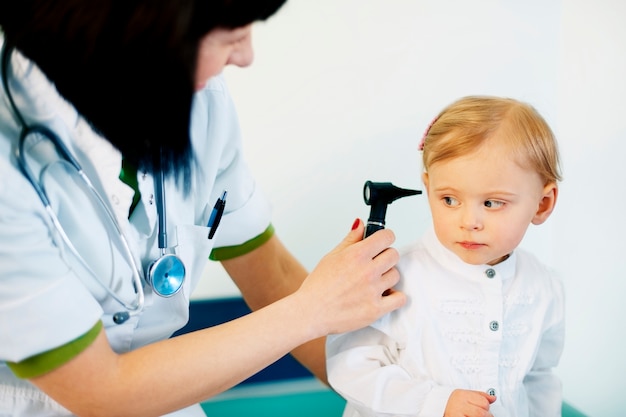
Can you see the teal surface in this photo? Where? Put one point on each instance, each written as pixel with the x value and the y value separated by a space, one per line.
pixel 300 404
pixel 306 404
pixel 569 411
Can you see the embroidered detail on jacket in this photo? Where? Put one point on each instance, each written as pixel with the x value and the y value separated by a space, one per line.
pixel 466 364
pixel 508 361
pixel 467 335
pixel 469 306
pixel 521 299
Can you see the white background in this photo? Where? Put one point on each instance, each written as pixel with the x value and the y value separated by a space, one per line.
pixel 341 91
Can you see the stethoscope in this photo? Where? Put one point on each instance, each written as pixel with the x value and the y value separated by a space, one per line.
pixel 165 274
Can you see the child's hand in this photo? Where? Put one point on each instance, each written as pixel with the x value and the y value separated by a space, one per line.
pixel 466 403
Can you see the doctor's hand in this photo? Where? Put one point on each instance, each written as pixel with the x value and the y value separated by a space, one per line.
pixel 466 403
pixel 351 286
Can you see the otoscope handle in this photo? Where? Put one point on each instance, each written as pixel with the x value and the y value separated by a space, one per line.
pixel 372 227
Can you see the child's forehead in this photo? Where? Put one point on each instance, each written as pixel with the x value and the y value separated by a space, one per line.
pixel 501 144
pixel 487 169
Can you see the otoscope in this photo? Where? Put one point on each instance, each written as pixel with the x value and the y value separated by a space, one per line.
pixel 378 195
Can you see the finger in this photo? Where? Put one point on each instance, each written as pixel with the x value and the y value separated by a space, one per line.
pixel 355 235
pixel 377 243
pixel 478 412
pixel 387 259
pixel 392 301
pixel 384 272
pixel 483 400
pixel 490 398
pixel 388 280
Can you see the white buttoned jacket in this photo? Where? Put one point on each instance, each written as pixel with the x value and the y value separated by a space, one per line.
pixel 496 329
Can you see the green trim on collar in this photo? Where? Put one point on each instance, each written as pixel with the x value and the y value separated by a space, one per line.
pixel 47 361
pixel 128 175
pixel 229 252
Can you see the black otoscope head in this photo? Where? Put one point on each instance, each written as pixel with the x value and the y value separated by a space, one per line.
pixel 379 195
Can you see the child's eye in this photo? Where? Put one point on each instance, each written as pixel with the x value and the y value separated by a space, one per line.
pixel 450 201
pixel 493 203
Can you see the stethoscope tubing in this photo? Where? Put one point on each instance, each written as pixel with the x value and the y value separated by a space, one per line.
pixel 137 305
pixel 165 275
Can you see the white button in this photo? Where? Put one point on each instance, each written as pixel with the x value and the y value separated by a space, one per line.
pixel 490 273
pixel 491 391
pixel 494 325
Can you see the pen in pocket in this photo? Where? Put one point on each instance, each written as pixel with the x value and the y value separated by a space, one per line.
pixel 216 215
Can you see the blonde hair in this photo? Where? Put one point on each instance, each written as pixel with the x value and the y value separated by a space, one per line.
pixel 468 123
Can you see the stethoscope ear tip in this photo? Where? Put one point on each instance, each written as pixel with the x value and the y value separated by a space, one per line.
pixel 120 317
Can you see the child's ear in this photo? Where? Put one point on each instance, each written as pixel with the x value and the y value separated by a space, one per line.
pixel 546 205
pixel 425 180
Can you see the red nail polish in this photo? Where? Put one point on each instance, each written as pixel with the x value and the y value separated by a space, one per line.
pixel 356 224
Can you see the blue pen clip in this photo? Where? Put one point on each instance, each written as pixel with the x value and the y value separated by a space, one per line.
pixel 216 215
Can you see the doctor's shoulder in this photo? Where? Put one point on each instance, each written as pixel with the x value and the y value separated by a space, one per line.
pixel 214 121
pixel 17 196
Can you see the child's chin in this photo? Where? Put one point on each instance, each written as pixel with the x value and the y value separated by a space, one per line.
pixel 474 258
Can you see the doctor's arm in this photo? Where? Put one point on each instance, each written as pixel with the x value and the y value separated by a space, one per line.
pixel 190 368
pixel 267 274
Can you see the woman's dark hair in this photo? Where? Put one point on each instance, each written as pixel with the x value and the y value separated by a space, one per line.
pixel 127 65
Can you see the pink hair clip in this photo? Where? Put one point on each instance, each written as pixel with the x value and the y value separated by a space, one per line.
pixel 421 145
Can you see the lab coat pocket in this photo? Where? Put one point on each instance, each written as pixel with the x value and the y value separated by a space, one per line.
pixel 194 248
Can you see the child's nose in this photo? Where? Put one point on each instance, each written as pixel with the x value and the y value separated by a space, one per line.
pixel 472 219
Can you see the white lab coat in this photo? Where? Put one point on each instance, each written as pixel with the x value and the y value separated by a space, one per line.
pixel 477 327
pixel 46 299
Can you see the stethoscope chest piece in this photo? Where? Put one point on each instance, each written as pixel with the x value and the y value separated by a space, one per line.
pixel 166 275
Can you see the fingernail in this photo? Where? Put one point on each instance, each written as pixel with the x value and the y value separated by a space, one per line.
pixel 356 224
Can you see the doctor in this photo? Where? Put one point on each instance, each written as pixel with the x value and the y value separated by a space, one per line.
pixel 131 92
